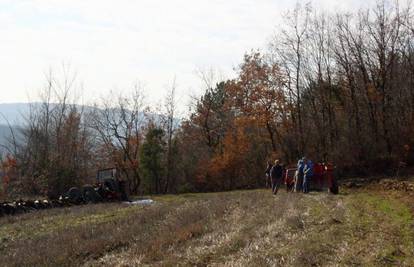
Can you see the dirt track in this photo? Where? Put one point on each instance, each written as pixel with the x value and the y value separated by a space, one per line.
pixel 243 228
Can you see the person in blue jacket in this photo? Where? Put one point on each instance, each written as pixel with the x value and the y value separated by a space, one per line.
pixel 307 175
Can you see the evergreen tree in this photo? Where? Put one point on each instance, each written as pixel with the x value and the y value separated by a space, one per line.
pixel 151 157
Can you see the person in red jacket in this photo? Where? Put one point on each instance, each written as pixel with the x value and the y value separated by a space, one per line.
pixel 329 174
pixel 318 170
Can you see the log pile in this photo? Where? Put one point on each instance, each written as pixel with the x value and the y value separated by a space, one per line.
pixel 389 184
pixel 24 206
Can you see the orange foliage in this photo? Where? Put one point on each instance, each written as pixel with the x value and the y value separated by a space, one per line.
pixel 9 170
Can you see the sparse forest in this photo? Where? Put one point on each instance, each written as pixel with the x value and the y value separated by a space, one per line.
pixel 332 86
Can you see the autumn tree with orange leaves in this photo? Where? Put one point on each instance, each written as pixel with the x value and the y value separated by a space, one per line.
pixel 8 170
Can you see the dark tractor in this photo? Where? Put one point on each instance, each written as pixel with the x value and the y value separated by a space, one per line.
pixel 108 187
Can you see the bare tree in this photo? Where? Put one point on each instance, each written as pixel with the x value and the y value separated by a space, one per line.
pixel 53 146
pixel 289 48
pixel 170 125
pixel 118 122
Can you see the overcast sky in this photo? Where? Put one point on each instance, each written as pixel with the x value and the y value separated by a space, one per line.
pixel 112 44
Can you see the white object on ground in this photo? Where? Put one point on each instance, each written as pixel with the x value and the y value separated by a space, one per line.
pixel 141 202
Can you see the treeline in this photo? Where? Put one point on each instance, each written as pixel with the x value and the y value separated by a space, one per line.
pixel 334 87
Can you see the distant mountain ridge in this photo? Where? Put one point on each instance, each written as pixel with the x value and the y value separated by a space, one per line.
pixel 13 112
pixel 4 133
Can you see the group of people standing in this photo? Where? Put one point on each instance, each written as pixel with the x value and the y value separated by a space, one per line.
pixel 275 173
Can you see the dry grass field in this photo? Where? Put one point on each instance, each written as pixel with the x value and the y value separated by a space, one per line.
pixel 243 228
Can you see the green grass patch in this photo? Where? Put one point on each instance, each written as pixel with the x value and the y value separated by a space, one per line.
pixel 395 209
pixel 385 220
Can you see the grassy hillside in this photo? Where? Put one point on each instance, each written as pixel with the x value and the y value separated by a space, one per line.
pixel 242 228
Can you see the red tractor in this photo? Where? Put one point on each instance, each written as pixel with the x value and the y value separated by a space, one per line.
pixel 323 178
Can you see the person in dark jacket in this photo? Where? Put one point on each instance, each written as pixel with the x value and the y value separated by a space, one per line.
pixel 276 174
pixel 267 173
pixel 308 173
pixel 299 174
